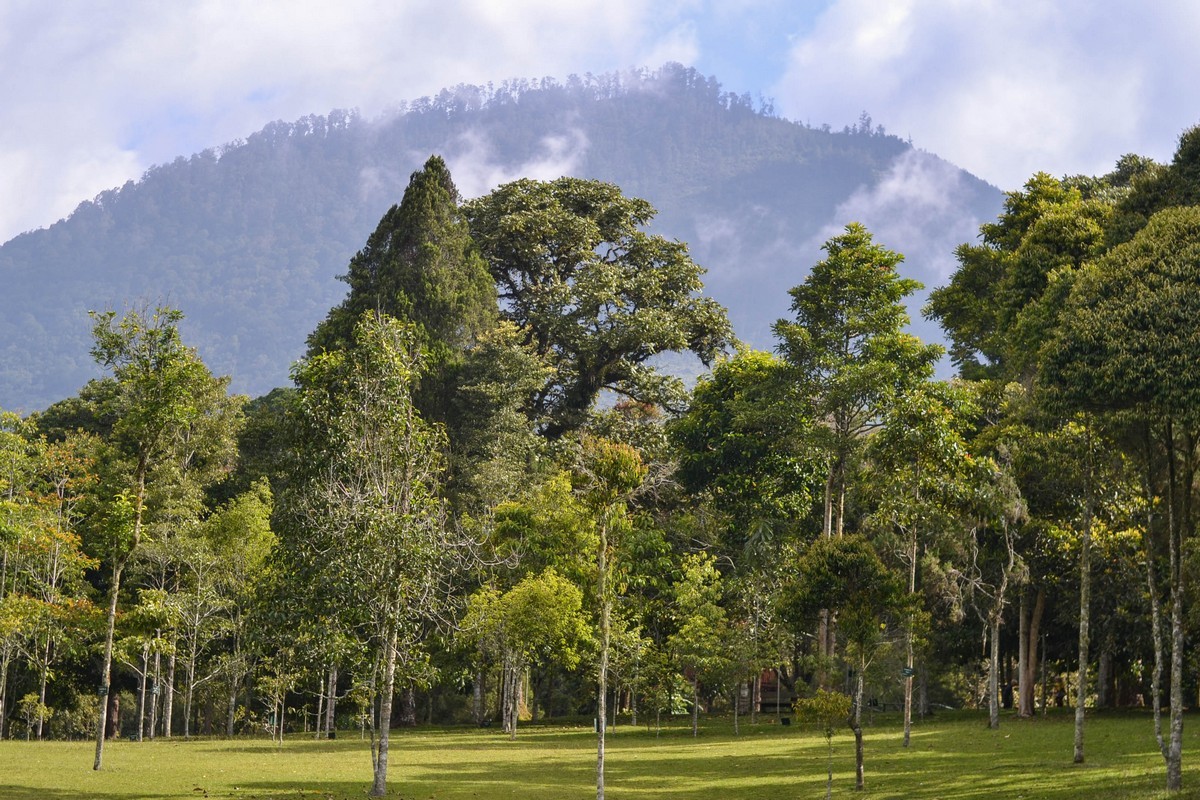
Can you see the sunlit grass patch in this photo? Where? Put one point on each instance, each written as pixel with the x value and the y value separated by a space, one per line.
pixel 951 756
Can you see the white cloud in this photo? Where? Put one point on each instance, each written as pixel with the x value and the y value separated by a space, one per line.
pixel 1005 89
pixel 476 171
pixel 918 208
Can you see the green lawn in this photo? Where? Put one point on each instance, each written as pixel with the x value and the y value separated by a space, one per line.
pixel 952 756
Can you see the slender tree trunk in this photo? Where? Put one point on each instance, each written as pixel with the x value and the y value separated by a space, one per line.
pixel 755 697
pixel 1028 676
pixel 994 672
pixel 633 695
pixel 154 690
pixel 231 709
pixel 190 673
pixel 319 718
pixel 1022 649
pixel 5 660
pixel 169 701
pixel 909 662
pixel 859 782
pixel 477 697
pixel 829 764
pixel 331 704
pixel 45 677
pixel 778 699
pixel 141 712
pixel 695 707
pixel 602 689
pixel 922 691
pixel 379 786
pixel 1175 748
pixel 1085 582
pixel 1104 697
pixel 106 664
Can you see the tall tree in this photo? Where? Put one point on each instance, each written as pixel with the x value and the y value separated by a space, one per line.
pixel 593 293
pixel 848 352
pixel 422 267
pixel 918 464
pixel 607 474
pixel 368 525
pixel 1129 338
pixel 161 392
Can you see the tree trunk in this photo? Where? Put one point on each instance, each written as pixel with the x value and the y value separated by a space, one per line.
pixel 5 660
pixel 1028 676
pixel 190 674
pixel 319 717
pixel 695 707
pixel 379 786
pixel 154 694
pixel 231 710
pixel 909 662
pixel 106 664
pixel 169 701
pixel 1174 524
pixel 994 673
pixel 602 688
pixel 141 712
pixel 859 782
pixel 1104 676
pixel 41 726
pixel 331 704
pixel 1085 584
pixel 477 696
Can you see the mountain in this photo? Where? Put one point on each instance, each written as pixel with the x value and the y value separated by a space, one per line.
pixel 248 238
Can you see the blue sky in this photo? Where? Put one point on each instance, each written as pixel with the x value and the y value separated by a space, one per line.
pixel 97 91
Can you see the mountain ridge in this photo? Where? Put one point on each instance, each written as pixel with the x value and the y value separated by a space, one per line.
pixel 248 238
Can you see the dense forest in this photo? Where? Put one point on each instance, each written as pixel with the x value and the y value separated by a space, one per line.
pixel 480 500
pixel 249 237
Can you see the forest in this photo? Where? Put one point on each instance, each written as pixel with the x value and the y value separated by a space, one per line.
pixel 481 502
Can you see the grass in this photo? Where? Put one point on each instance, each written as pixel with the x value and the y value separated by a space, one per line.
pixel 952 756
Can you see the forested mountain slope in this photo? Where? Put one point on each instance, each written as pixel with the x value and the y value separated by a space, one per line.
pixel 247 239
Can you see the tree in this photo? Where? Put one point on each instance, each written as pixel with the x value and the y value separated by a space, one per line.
pixel 996 309
pixel 420 266
pixel 1128 342
pixel 847 577
pixel 368 524
pixel 738 444
pixel 241 536
pixel 917 467
pixel 607 474
pixel 538 621
pixel 593 293
pixel 161 391
pixel 847 352
pixel 696 644
pixel 829 710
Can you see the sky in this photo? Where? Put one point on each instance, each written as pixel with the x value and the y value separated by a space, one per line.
pixel 97 91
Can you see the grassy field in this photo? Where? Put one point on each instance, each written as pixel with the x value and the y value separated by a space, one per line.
pixel 952 756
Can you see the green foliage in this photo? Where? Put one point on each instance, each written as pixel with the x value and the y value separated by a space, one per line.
pixel 1130 335
pixel 419 266
pixel 1004 299
pixel 827 710
pixel 593 293
pixel 847 353
pixel 845 575
pixel 741 445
